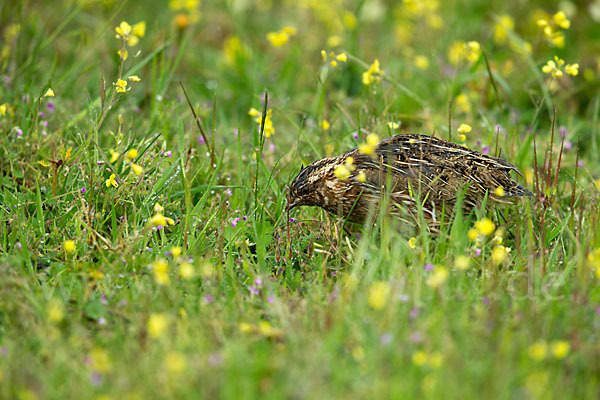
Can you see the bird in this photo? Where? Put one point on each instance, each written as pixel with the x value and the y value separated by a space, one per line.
pixel 412 169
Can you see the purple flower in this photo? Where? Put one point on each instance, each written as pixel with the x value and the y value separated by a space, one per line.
pixel 18 245
pixel 45 123
pixel 428 267
pixel 234 222
pixel 209 299
pixel 236 132
pixel 98 162
pixel 101 321
pixel 355 135
pixel 123 303
pixel 598 310
pixel 200 140
pixel 244 218
pixel 253 290
pixel 95 379
pixel 486 149
pixel 332 273
pixel 477 252
pixel 580 163
pixel 485 301
pixel 258 282
pixel 50 107
pixel 103 299
pixel 271 299
pixel 499 128
pixel 83 190
pixel 18 131
pixel 563 131
pixel 159 227
pixel 271 147
pixel 386 338
pixel 403 298
pixel 568 145
pixel 169 153
pixel 42 114
pixel 228 192
pixel 414 313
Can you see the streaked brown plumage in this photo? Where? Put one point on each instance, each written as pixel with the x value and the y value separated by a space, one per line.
pixel 418 168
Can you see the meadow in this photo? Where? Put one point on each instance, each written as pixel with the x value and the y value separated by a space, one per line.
pixel 145 153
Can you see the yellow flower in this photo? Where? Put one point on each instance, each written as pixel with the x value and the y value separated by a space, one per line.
pixel 265 329
pixel 158 220
pixel 333 63
pixel 131 154
pixel 485 226
pixel 560 348
pixel 472 234
pixel 69 246
pixel 369 147
pixel 538 350
pixel 186 270
pixel 253 112
pixel 435 360
pixel 393 125
pixel 342 57
pixel 324 55
pixel 499 254
pixel 439 276
pixel 350 20
pixel 278 39
pixel 505 23
pixel 114 156
pixel 463 102
pixel 55 310
pixel 181 21
pixel 49 93
pixel 358 353
pixel 560 19
pixel 412 242
pixel 100 360
pixel 176 251
pixel 111 181
pixel 137 169
pixel 134 78
pixel 419 358
pixel 421 62
pixel 324 125
pixel 175 362
pixel 464 128
pixel 499 191
pixel 3 109
pixel 379 293
pixel 156 325
pixel 123 30
pixel 462 262
pixel 361 177
pixel 341 172
pixel 572 69
pixel 552 68
pixel 373 74
pixel 158 208
pixel 123 54
pixel 121 86
pixel 334 41
pixel 472 51
pixel 456 52
pixel 139 29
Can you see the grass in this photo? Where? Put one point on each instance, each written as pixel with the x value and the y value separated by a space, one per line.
pixel 227 301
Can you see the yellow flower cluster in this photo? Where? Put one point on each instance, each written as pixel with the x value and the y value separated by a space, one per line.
pixel 157 325
pixel 462 129
pixel 460 50
pixel 427 9
pixel 269 130
pixel 505 23
pixel 234 51
pixel 263 327
pixel 369 147
pixel 593 259
pixel 422 359
pixel 343 171
pixel 189 11
pixel 555 68
pixel 281 37
pixel 341 57
pixel 121 84
pixel 130 34
pixel 551 28
pixel 373 74
pixel 159 219
pixel 558 348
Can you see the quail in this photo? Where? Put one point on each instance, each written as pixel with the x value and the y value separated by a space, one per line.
pixel 413 169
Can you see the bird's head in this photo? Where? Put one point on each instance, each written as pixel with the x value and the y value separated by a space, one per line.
pixel 305 189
